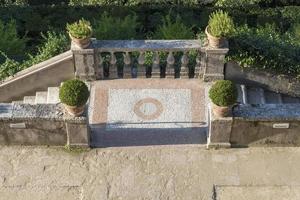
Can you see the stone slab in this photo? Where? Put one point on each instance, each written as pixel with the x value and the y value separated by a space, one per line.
pixel 257 192
pixel 40 193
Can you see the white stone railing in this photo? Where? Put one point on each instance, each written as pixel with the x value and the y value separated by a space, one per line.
pixel 112 59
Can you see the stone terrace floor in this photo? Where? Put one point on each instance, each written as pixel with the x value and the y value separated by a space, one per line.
pixel 180 172
pixel 134 112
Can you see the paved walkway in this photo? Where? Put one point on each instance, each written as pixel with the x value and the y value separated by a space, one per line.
pixel 136 112
pixel 179 172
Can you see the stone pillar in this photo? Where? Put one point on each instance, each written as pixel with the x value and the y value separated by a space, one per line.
pixel 214 63
pixel 219 131
pixel 85 63
pixel 78 133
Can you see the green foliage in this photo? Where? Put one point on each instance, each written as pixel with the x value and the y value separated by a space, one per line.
pixel 13 2
pixel 9 67
pixel 10 42
pixel 171 29
pixel 74 93
pixel 137 2
pixel 220 24
pixel 81 29
pixel 267 49
pixel 237 3
pixel 223 93
pixel 115 28
pixel 54 44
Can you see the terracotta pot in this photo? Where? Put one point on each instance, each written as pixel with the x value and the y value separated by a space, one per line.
pixel 214 41
pixel 74 110
pixel 221 111
pixel 82 43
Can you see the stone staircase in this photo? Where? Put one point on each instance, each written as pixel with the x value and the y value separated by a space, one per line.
pixel 257 95
pixel 51 96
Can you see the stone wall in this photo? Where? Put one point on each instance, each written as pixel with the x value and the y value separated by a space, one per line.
pixel 266 125
pixel 39 77
pixel 250 76
pixel 42 124
pixel 259 125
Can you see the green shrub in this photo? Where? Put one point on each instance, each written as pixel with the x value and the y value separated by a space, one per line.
pixel 8 67
pixel 237 3
pixel 115 28
pixel 54 44
pixel 173 29
pixel 265 48
pixel 81 29
pixel 223 93
pixel 10 43
pixel 220 24
pixel 74 93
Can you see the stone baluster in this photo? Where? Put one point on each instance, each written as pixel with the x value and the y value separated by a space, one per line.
pixel 141 72
pixel 113 69
pixel 184 70
pixel 99 68
pixel 170 73
pixel 127 66
pixel 156 66
pixel 85 65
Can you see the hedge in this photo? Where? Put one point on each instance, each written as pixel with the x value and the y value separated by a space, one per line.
pixel 35 19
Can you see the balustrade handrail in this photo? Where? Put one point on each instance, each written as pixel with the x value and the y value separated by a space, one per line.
pixel 143 45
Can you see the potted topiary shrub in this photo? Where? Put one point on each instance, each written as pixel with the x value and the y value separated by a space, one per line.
pixel 220 26
pixel 223 95
pixel 74 94
pixel 80 32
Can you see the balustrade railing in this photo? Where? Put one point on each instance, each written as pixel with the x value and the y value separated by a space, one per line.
pixel 112 59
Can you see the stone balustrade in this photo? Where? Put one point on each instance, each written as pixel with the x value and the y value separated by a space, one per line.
pixel 112 59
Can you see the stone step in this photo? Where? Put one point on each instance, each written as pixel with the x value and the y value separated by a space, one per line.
pixel 53 95
pixel 289 99
pixel 29 100
pixel 273 97
pixel 17 102
pixel 41 97
pixel 255 95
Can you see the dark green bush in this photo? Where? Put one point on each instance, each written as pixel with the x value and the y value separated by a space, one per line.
pixel 223 93
pixel 10 42
pixel 173 29
pixel 74 93
pixel 115 28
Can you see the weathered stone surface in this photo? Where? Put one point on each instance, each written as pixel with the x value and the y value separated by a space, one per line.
pixel 258 192
pixel 162 172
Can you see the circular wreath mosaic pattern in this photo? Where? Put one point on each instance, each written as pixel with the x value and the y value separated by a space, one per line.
pixel 148 108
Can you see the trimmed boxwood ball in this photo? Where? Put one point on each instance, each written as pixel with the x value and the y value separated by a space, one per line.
pixel 74 93
pixel 223 93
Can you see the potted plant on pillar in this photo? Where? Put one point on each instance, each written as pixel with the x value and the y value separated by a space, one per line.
pixel 223 95
pixel 80 32
pixel 220 26
pixel 74 95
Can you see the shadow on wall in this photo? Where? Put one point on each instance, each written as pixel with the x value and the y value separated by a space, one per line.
pixel 104 135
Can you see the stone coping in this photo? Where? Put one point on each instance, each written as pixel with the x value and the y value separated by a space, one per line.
pixel 38 67
pixel 53 112
pixel 267 112
pixel 142 45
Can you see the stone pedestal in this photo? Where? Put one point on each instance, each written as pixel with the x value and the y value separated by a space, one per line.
pixel 84 61
pixel 78 134
pixel 215 59
pixel 219 131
